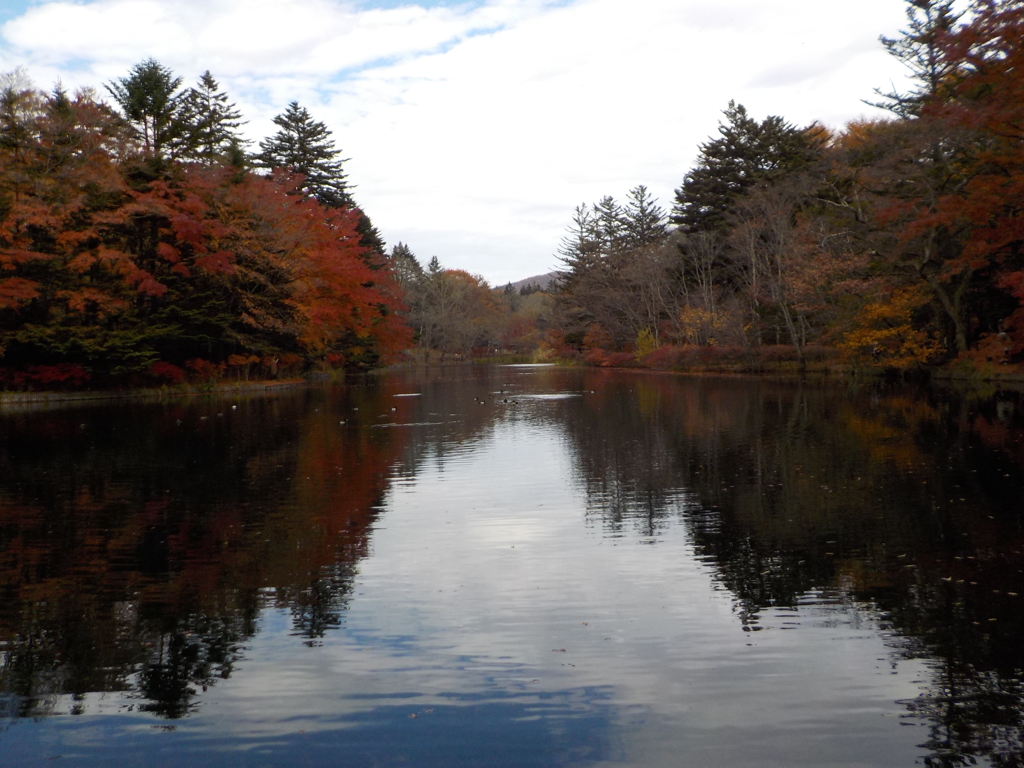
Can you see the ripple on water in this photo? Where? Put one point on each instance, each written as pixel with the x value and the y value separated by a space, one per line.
pixel 663 568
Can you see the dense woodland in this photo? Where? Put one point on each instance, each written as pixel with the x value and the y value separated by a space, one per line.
pixel 143 241
pixel 145 244
pixel 891 243
pixel 457 314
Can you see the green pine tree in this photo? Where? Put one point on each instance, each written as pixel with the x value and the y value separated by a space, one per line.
pixel 611 229
pixel 210 134
pixel 642 218
pixel 747 152
pixel 407 267
pixel 304 146
pixel 581 247
pixel 918 49
pixel 369 235
pixel 19 108
pixel 151 104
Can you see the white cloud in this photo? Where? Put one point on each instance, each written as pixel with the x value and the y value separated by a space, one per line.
pixel 473 130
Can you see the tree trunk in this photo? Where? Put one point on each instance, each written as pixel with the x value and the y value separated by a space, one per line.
pixel 953 305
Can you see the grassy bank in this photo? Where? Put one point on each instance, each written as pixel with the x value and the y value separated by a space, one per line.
pixel 14 400
pixel 781 361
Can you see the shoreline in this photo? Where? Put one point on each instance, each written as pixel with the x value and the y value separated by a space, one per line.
pixel 16 399
pixel 938 377
pixel 1012 382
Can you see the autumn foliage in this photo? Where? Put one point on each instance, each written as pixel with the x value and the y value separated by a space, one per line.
pixel 115 269
pixel 896 243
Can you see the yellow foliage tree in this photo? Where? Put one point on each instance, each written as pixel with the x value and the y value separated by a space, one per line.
pixel 883 333
pixel 646 342
pixel 698 325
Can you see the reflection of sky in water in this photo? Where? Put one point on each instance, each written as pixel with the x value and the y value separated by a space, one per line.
pixel 492 623
pixel 585 575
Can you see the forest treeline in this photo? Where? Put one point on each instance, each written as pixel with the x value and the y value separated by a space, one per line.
pixel 893 242
pixel 145 243
pixel 458 314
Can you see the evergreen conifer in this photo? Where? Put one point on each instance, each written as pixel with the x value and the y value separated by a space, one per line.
pixel 747 152
pixel 211 123
pixel 304 146
pixel 920 51
pixel 642 218
pixel 151 104
pixel 407 267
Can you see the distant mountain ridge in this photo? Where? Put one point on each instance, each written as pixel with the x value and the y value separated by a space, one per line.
pixel 543 282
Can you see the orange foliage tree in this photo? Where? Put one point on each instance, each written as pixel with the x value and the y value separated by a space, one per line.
pixel 988 102
pixel 939 196
pixel 115 266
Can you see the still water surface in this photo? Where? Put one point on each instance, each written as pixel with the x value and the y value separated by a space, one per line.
pixel 516 566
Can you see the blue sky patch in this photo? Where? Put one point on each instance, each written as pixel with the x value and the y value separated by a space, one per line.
pixel 11 9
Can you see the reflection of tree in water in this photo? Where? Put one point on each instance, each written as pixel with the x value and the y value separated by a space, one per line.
pixel 624 460
pixel 758 577
pixel 125 568
pixel 138 546
pixel 318 607
pixel 973 713
pixel 904 505
pixel 975 703
pixel 458 407
pixel 192 655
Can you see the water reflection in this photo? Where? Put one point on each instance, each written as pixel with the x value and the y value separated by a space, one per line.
pixel 908 503
pixel 146 550
pixel 139 545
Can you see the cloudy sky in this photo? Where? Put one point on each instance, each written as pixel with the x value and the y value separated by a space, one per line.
pixel 474 128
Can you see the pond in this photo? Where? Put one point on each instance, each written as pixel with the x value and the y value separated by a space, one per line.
pixel 516 566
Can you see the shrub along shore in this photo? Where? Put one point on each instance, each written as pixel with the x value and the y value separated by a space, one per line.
pixel 10 401
pixel 780 360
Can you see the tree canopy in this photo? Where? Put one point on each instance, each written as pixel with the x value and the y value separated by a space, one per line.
pixel 745 153
pixel 150 100
pixel 919 47
pixel 211 125
pixel 895 242
pixel 195 268
pixel 304 146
